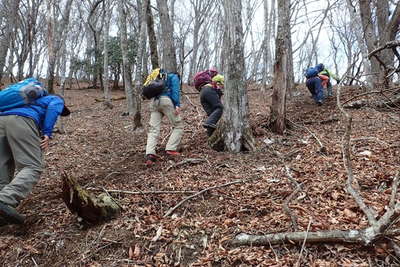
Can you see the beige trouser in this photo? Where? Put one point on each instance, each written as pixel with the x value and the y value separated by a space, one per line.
pixel 160 107
pixel 20 149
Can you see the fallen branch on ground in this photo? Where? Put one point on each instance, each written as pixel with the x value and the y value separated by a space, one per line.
pixel 161 192
pixel 332 236
pixel 286 208
pixel 115 98
pixel 322 147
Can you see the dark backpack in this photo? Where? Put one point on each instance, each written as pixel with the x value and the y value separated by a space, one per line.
pixel 202 78
pixel 311 72
pixel 155 84
pixel 20 94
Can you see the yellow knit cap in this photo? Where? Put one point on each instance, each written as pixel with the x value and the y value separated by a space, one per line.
pixel 218 79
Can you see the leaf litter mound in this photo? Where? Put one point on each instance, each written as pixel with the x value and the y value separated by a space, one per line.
pixel 102 151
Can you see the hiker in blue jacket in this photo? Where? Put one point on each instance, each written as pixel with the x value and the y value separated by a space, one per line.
pixel 314 85
pixel 24 132
pixel 167 104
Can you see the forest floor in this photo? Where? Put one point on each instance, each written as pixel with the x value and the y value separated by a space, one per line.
pixel 101 150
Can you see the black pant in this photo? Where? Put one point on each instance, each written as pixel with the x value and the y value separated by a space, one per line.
pixel 211 101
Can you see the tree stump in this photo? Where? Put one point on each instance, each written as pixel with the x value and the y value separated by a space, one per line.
pixel 90 208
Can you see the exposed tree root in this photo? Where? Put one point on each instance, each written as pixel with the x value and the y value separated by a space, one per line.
pixel 217 140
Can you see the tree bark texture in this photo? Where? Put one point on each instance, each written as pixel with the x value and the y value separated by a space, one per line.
pixel 131 99
pixel 152 37
pixel 50 46
pixel 106 84
pixel 236 129
pixel 380 33
pixel 169 51
pixel 280 81
pixel 9 13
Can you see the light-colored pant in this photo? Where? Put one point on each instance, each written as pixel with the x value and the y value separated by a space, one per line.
pixel 20 149
pixel 160 107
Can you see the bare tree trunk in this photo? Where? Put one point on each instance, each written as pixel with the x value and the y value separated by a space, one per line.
pixel 269 24
pixel 50 45
pixel 10 13
pixel 201 11
pixel 289 63
pixel 131 99
pixel 139 61
pixel 106 84
pixel 97 52
pixel 55 38
pixel 169 55
pixel 386 31
pixel 32 36
pixel 356 22
pixel 235 130
pixel 152 37
pixel 278 107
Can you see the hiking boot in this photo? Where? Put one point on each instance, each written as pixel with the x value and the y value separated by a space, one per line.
pixel 172 153
pixel 10 215
pixel 210 131
pixel 150 160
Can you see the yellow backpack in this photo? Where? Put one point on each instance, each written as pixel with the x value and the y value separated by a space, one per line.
pixel 154 84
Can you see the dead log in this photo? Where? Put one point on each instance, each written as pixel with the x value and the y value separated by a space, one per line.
pixel 334 236
pixel 90 208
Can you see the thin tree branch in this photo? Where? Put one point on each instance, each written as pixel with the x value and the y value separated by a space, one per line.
pixel 304 243
pixel 347 163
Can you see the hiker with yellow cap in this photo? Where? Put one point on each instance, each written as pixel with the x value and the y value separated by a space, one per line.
pixel 210 98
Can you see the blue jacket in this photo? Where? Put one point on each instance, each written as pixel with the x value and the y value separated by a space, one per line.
pixel 44 111
pixel 174 89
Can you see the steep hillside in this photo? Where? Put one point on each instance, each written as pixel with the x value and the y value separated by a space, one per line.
pixel 101 150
